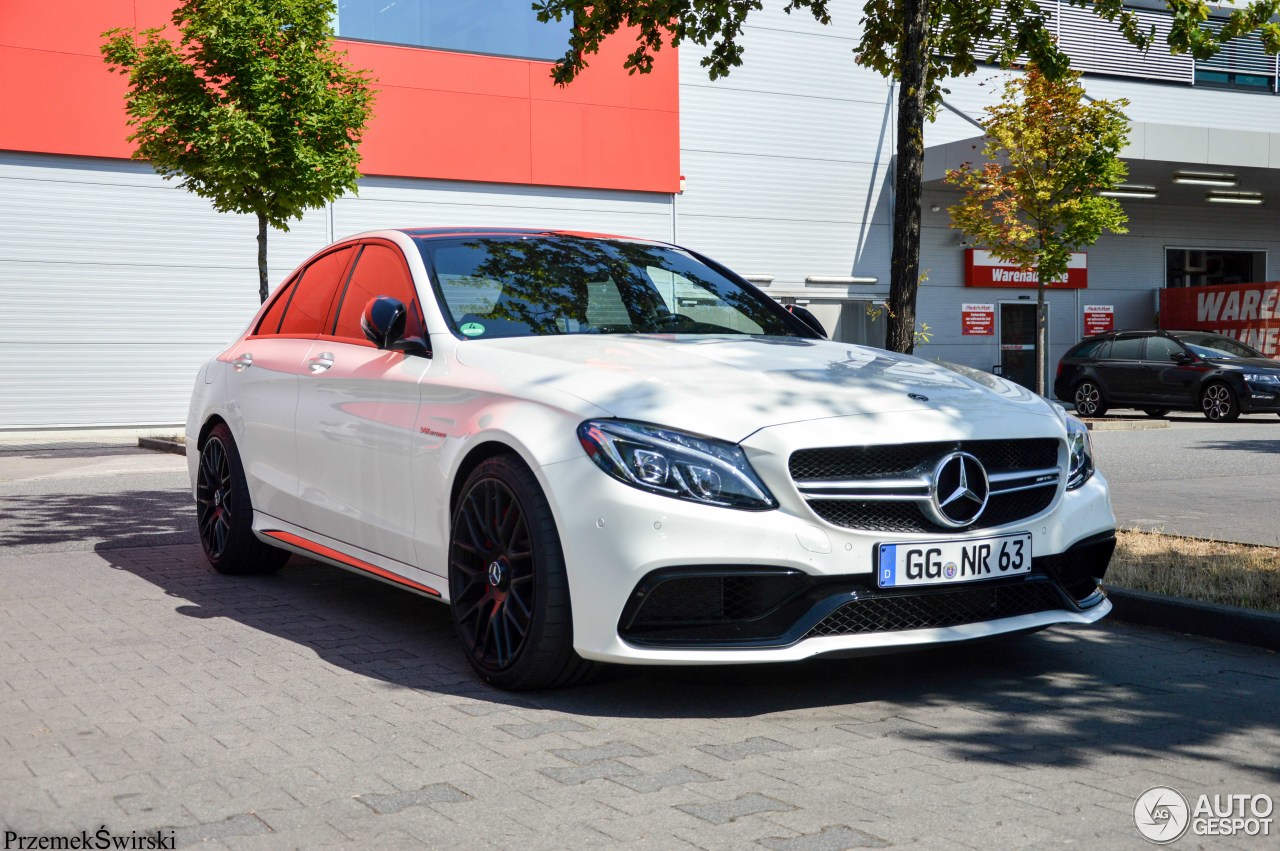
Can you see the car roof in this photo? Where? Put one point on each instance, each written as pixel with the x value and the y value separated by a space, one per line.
pixel 444 232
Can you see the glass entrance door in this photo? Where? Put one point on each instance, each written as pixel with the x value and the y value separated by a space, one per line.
pixel 1018 341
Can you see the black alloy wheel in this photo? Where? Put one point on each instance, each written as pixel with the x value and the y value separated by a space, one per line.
pixel 507 584
pixel 1088 400
pixel 1218 401
pixel 224 512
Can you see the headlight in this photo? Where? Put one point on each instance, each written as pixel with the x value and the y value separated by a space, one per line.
pixel 675 464
pixel 1262 378
pixel 1080 452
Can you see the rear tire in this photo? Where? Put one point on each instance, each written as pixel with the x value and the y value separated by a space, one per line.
pixel 507 581
pixel 1218 402
pixel 1089 400
pixel 224 512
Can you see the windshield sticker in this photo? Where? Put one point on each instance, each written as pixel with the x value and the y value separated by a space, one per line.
pixel 472 329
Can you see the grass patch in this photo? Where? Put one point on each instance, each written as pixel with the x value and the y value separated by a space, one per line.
pixel 1209 571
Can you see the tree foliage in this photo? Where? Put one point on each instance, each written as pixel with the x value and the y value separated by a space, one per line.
pixel 918 43
pixel 1049 150
pixel 251 107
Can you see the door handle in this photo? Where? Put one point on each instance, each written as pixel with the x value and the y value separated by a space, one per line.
pixel 243 362
pixel 320 362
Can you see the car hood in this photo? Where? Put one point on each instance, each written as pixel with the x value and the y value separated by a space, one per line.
pixel 1247 364
pixel 731 387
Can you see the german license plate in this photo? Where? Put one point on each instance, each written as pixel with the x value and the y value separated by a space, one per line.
pixel 948 562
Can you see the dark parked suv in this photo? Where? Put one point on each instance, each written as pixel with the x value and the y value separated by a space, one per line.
pixel 1160 371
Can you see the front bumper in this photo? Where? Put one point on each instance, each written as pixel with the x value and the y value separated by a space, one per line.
pixel 616 537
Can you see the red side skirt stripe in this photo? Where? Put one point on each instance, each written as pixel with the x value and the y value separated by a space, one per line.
pixel 334 555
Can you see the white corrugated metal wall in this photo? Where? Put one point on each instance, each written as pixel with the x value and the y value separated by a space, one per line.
pixel 115 285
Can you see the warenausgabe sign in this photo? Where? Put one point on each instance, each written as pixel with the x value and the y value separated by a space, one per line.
pixel 983 269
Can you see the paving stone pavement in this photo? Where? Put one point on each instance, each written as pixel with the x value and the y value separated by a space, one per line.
pixel 318 709
pixel 141 692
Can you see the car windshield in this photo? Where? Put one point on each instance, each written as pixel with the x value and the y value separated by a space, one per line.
pixel 516 286
pixel 1216 346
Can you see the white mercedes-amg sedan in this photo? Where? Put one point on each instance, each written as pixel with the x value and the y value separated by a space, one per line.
pixel 599 449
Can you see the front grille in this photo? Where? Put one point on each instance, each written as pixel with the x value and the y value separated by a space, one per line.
pixel 870 462
pixel 915 462
pixel 938 609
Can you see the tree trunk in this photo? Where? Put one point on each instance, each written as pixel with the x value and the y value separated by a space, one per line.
pixel 904 275
pixel 262 257
pixel 1042 336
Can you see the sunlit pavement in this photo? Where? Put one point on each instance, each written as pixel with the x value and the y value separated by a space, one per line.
pixel 139 691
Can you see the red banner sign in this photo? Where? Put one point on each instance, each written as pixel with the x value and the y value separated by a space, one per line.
pixel 1099 318
pixel 979 319
pixel 1248 312
pixel 982 269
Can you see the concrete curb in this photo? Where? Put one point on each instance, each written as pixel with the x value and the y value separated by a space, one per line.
pixel 1125 425
pixel 1211 620
pixel 162 445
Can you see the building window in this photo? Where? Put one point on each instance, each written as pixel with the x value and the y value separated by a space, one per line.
pixel 495 27
pixel 1206 267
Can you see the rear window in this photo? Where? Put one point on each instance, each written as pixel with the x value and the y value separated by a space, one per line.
pixel 1126 348
pixel 1088 348
pixel 313 295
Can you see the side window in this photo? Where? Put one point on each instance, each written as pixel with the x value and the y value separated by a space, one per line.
pixel 1162 349
pixel 1084 350
pixel 379 271
pixel 270 323
pixel 1126 348
pixel 313 295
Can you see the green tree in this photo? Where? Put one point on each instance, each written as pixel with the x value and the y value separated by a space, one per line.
pixel 251 107
pixel 918 43
pixel 1049 151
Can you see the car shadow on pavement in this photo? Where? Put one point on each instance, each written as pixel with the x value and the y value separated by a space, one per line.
pixel 1265 447
pixel 1057 698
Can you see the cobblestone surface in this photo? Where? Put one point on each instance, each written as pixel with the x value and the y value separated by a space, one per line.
pixel 317 709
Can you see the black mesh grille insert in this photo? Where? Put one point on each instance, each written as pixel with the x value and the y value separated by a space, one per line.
pixel 873 516
pixel 869 462
pixel 692 600
pixel 938 609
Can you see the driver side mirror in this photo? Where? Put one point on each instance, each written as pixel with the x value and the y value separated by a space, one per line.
pixel 1182 357
pixel 383 323
pixel 806 316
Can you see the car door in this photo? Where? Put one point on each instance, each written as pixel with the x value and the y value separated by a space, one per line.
pixel 264 383
pixel 1120 369
pixel 1169 378
pixel 357 416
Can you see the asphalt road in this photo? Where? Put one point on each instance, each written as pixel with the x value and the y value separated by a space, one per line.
pixel 1197 478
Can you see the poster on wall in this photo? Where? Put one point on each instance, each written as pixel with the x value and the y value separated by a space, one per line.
pixel 1099 318
pixel 978 319
pixel 1248 312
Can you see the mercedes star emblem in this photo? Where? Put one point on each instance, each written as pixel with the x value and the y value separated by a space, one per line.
pixel 958 491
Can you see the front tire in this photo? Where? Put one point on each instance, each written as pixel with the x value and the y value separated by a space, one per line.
pixel 1089 400
pixel 224 512
pixel 507 581
pixel 1218 402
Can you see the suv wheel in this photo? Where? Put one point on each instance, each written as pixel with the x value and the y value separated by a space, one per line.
pixel 1088 399
pixel 507 581
pixel 1218 401
pixel 225 514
